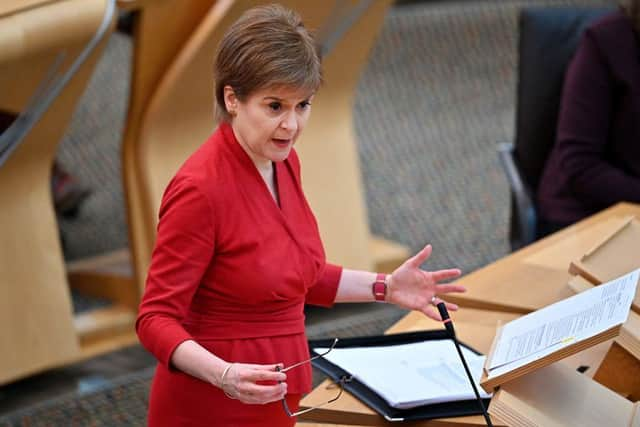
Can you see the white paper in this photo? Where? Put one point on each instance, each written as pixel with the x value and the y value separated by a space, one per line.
pixel 410 375
pixel 572 320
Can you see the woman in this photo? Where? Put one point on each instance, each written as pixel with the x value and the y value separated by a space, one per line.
pixel 238 253
pixel 595 162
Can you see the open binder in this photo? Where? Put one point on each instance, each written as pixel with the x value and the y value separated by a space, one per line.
pixel 377 403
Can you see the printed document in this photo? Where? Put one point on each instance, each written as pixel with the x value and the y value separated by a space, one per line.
pixel 410 375
pixel 572 320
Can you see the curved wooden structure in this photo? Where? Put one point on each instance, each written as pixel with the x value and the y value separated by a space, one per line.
pixel 172 114
pixel 38 327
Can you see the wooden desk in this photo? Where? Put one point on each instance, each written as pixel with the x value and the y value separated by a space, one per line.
pixel 538 271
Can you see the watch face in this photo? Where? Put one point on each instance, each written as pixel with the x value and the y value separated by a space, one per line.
pixel 379 291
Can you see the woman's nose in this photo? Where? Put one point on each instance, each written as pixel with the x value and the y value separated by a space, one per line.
pixel 289 121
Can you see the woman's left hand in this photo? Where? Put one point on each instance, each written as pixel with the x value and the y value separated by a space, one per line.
pixel 414 288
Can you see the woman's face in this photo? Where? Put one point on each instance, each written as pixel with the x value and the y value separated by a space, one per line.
pixel 269 121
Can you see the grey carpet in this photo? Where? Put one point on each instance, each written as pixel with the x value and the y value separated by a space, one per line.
pixel 436 96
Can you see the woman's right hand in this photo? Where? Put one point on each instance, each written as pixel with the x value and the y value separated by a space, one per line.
pixel 254 384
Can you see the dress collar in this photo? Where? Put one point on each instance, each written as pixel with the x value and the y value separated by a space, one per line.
pixel 232 143
pixel 241 155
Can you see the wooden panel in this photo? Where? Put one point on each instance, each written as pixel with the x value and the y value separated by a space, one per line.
pixel 134 4
pixel 629 337
pixel 104 323
pixel 35 308
pixel 474 327
pixel 161 29
pixel 107 276
pixel 620 372
pixel 521 283
pixel 114 342
pixel 556 396
pixel 30 32
pixel 616 255
pixel 10 7
pixel 329 143
pixel 387 255
pixel 620 367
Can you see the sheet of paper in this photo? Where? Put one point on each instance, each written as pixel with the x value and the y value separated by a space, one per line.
pixel 574 319
pixel 410 375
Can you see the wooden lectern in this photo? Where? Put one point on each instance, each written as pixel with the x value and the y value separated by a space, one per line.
pixel 614 255
pixel 558 396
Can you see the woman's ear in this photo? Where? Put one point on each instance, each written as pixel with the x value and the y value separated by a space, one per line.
pixel 230 100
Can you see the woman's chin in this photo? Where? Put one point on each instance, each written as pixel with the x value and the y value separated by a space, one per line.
pixel 280 154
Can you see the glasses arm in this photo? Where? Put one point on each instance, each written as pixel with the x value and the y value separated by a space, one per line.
pixel 340 384
pixel 335 341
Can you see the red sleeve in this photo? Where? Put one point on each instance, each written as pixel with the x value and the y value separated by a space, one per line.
pixel 323 293
pixel 183 251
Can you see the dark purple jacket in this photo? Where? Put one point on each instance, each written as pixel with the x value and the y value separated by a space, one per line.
pixel 596 159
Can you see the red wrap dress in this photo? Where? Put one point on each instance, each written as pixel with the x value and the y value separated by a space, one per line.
pixel 231 270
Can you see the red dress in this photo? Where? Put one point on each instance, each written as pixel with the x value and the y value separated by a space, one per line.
pixel 232 271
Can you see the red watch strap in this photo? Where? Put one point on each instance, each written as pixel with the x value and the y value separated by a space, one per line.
pixel 379 287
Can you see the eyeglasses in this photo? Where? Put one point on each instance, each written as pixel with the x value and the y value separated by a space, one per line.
pixel 340 384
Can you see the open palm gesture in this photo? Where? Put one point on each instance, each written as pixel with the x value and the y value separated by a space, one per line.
pixel 417 289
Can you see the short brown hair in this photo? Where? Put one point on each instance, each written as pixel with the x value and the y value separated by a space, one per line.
pixel 268 46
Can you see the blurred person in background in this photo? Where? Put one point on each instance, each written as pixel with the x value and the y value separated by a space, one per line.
pixel 595 161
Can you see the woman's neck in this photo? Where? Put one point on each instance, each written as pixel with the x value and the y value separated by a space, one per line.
pixel 264 166
pixel 268 175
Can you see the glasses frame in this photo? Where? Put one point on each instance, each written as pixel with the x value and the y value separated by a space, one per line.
pixel 340 383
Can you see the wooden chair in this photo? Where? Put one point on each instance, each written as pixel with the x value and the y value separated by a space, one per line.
pixel 39 329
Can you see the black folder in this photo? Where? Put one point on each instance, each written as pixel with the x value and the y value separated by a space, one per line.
pixel 377 403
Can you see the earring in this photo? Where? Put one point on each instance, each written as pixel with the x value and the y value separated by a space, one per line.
pixel 232 113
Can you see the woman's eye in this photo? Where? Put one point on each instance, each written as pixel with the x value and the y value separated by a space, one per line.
pixel 275 106
pixel 304 105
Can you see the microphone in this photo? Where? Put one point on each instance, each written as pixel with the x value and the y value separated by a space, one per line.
pixel 448 324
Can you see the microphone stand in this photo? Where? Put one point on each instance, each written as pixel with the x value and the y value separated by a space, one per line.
pixel 448 324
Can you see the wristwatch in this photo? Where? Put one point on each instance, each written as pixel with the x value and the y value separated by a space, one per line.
pixel 379 288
